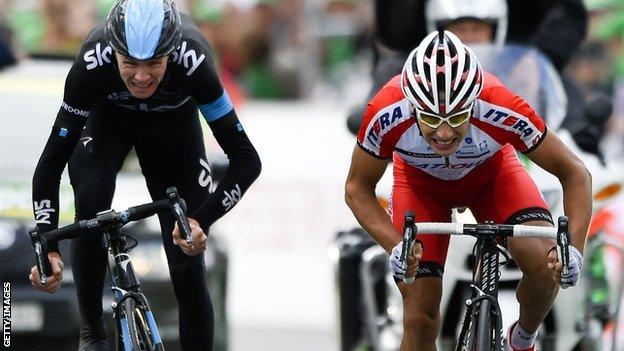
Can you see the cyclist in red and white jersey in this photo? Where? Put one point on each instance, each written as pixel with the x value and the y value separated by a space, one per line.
pixel 452 132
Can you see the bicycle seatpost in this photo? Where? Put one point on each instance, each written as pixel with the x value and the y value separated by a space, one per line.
pixel 178 206
pixel 408 243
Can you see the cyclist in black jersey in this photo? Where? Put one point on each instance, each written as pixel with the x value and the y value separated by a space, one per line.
pixel 138 82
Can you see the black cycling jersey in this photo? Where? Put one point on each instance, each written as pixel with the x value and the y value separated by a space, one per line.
pixel 99 122
pixel 94 83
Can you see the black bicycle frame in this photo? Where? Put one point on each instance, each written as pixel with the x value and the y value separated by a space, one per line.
pixel 125 283
pixel 121 272
pixel 485 287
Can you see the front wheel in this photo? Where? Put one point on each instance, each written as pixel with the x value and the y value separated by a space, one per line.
pixel 485 328
pixel 138 334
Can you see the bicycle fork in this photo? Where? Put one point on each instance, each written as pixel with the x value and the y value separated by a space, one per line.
pixel 122 319
pixel 483 300
pixel 125 285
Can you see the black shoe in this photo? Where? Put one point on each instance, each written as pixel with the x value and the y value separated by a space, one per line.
pixel 93 345
pixel 93 337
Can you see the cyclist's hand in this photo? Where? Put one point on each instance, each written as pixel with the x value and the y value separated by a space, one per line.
pixel 53 283
pixel 200 239
pixel 412 262
pixel 576 265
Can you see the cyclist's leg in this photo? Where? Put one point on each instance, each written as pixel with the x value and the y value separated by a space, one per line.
pixel 421 299
pixel 170 150
pixel 92 169
pixel 513 198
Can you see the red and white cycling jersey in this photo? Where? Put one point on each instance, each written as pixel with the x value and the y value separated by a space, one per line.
pixel 500 117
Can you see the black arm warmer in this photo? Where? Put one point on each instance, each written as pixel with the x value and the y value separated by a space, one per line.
pixel 47 178
pixel 243 169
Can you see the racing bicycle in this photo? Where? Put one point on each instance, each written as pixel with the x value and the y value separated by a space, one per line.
pixel 136 326
pixel 482 326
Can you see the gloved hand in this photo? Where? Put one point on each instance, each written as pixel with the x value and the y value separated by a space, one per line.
pixel 574 271
pixel 412 264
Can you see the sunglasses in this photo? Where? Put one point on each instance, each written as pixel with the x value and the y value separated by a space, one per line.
pixel 434 121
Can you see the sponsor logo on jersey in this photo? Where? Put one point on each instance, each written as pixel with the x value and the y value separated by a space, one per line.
pixel 483 146
pixel 388 119
pixel 86 140
pixel 187 58
pixel 417 154
pixel 42 211
pixel 205 175
pixel 123 95
pixel 439 166
pixel 373 133
pixel 533 216
pixel 75 111
pixel 97 57
pixel 382 123
pixel 468 153
pixel 232 197
pixel 518 125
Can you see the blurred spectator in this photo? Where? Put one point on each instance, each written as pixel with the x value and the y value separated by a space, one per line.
pixel 348 27
pixel 555 26
pixel 67 23
pixel 592 68
pixel 7 55
pixel 54 27
pixel 258 43
pixel 605 46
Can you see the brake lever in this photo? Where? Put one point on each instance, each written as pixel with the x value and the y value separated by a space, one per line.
pixel 563 243
pixel 409 237
pixel 178 207
pixel 41 254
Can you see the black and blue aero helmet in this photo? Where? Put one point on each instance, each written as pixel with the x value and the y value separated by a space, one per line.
pixel 144 29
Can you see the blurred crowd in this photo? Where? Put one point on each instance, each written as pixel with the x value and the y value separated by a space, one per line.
pixel 599 65
pixel 261 45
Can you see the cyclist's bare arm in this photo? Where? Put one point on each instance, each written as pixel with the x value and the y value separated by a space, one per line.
pixel 364 173
pixel 553 156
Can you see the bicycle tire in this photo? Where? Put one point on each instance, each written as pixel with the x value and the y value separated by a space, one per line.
pixel 140 335
pixel 466 340
pixel 462 339
pixel 485 340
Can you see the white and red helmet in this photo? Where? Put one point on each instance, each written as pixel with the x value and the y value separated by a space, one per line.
pixel 442 75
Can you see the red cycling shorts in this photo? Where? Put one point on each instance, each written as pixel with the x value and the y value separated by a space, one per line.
pixel 499 190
